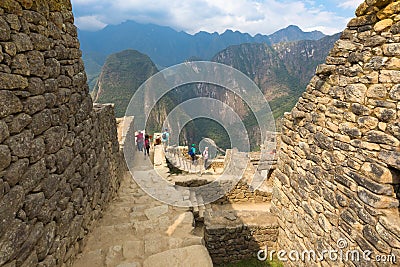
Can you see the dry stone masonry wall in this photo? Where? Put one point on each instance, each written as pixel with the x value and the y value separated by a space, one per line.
pixel 232 235
pixel 59 156
pixel 338 170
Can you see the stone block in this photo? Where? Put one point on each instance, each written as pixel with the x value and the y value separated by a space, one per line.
pixel 20 65
pixel 390 157
pixel 19 122
pixel 10 103
pixel 34 104
pixel 4 131
pixel 364 181
pixel 40 42
pixel 5 157
pixel 12 240
pixel 15 171
pixel 22 42
pixel 390 222
pixel 377 201
pixel 20 144
pixel 388 237
pixel 391 49
pixel 36 62
pixel 381 138
pixel 33 175
pixel 379 173
pixel 384 114
pixel 350 129
pixel 41 121
pixel 195 256
pixel 372 236
pixel 5 34
pixel 383 25
pixel 154 213
pixel 54 138
pixel 390 76
pixel 395 92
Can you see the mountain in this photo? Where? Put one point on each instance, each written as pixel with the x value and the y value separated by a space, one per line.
pixel 120 77
pixel 282 71
pixel 262 64
pixel 166 46
pixel 301 57
pixel 122 74
pixel 294 33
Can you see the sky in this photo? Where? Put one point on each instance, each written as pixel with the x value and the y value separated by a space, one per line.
pixel 192 16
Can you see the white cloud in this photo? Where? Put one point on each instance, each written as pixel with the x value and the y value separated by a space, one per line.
pixel 350 4
pixel 89 23
pixel 252 16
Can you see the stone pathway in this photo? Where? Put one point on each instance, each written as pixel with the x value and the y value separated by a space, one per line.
pixel 137 231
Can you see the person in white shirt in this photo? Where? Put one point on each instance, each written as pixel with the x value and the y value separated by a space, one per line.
pixel 205 157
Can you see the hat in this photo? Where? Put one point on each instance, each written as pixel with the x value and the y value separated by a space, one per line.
pixel 193 145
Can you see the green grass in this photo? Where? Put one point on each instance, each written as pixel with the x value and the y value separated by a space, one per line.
pixel 252 262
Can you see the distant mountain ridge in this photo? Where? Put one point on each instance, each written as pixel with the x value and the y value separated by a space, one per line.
pixel 166 46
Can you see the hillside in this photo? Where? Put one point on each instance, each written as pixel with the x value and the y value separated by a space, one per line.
pixel 281 71
pixel 300 58
pixel 120 77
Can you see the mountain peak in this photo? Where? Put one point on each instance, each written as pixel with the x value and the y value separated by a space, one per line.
pixel 293 33
pixel 294 27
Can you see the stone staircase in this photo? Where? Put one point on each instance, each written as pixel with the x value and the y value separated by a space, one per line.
pixel 137 231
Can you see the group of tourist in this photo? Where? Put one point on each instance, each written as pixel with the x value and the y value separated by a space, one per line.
pixel 143 143
pixel 192 154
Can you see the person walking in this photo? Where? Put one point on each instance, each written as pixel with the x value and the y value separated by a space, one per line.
pixel 146 145
pixel 165 139
pixel 192 153
pixel 205 157
pixel 140 140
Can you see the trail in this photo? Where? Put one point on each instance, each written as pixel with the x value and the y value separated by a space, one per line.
pixel 137 230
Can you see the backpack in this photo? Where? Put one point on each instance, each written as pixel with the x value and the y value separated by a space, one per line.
pixel 164 136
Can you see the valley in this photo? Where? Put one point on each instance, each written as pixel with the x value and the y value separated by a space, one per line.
pixel 280 65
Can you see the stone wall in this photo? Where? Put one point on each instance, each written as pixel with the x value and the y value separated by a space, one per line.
pixel 242 191
pixel 59 156
pixel 234 235
pixel 338 170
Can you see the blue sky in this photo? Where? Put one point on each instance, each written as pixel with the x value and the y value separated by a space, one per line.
pixel 252 16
